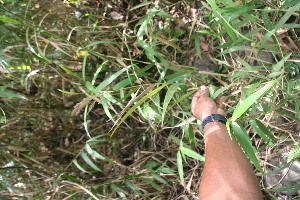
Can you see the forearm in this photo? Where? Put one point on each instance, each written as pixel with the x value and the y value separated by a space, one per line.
pixel 227 171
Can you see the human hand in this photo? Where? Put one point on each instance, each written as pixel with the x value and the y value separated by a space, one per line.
pixel 203 106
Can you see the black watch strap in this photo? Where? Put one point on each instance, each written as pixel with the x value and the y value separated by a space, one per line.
pixel 213 118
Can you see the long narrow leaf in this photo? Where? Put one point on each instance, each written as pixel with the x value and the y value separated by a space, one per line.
pixel 118 190
pixel 180 167
pixel 90 162
pixel 110 79
pixel 171 90
pixel 248 102
pixel 142 100
pixel 245 142
pixel 192 154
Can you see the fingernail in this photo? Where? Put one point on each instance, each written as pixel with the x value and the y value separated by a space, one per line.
pixel 203 87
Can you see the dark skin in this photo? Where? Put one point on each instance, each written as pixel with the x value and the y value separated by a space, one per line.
pixel 227 173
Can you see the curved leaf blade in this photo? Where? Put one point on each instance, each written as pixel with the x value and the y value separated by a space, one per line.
pixel 249 101
pixel 246 144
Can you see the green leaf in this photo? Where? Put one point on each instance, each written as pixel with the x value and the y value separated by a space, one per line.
pixel 180 167
pixel 153 184
pixel 9 20
pixel 79 166
pixel 5 86
pixel 260 132
pixel 171 90
pixel 90 162
pixel 98 71
pixel 68 71
pixel 265 130
pixel 89 86
pixel 110 79
pixel 133 187
pixel 160 179
pixel 106 109
pixel 93 153
pixel 11 95
pixel 118 190
pixel 125 82
pixel 281 22
pixel 220 91
pixel 142 100
pixel 247 103
pixel 71 178
pixel 191 153
pixel 277 67
pixel 66 92
pixel 245 142
pixel 289 115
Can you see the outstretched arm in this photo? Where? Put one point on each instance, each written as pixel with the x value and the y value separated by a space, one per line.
pixel 227 172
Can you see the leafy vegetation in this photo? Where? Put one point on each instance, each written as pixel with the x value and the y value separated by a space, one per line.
pixel 95 95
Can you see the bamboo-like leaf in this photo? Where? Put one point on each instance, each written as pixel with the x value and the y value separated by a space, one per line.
pixel 142 100
pixel 94 154
pixel 98 71
pixel 277 67
pixel 11 95
pixel 221 90
pixel 191 153
pixel 118 190
pixel 90 162
pixel 153 184
pixel 281 22
pixel 180 167
pixel 106 109
pixel 247 103
pixel 79 166
pixel 260 132
pixel 265 130
pixel 160 179
pixel 9 20
pixel 66 92
pixel 171 90
pixel 110 79
pixel 89 86
pixel 133 187
pixel 245 142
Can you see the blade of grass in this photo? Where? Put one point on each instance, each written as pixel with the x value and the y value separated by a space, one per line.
pixel 171 90
pixel 98 71
pixel 110 79
pixel 142 100
pixel 191 153
pixel 118 190
pixel 247 103
pixel 245 142
pixel 180 167
pixel 90 162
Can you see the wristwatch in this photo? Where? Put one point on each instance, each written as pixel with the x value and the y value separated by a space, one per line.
pixel 213 118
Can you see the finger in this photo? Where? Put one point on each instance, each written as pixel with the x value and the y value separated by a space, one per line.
pixel 194 100
pixel 203 92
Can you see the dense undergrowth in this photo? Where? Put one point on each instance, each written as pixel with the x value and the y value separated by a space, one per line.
pixel 95 95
